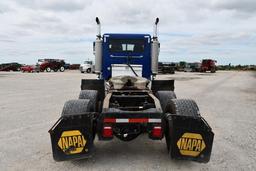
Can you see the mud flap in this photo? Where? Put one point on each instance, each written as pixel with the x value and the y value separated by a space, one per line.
pixel 72 137
pixel 189 138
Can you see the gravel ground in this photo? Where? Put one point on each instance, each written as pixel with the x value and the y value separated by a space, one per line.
pixel 30 103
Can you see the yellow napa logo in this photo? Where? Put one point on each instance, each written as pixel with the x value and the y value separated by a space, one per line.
pixel 72 142
pixel 191 144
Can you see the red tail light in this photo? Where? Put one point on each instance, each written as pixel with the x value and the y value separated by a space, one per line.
pixel 157 132
pixel 107 132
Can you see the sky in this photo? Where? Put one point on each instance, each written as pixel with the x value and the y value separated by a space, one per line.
pixel 189 30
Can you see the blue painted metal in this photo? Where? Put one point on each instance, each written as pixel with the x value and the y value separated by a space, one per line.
pixel 143 58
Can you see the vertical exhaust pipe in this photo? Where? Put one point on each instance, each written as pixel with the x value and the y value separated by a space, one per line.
pixel 98 49
pixel 155 29
pixel 99 27
pixel 155 49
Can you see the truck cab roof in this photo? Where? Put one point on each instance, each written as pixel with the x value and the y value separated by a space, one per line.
pixel 126 35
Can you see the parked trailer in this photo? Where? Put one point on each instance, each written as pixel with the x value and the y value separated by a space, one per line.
pixel 166 68
pixel 127 106
pixel 192 67
pixel 10 66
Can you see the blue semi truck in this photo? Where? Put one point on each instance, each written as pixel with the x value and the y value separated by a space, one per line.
pixel 126 101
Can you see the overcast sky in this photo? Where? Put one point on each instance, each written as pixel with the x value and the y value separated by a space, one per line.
pixel 188 30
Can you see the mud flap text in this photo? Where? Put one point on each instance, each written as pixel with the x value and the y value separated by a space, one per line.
pixel 72 142
pixel 191 144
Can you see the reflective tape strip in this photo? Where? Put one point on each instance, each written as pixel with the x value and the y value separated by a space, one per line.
pixel 132 120
pixel 122 120
pixel 157 127
pixel 154 120
pixel 107 127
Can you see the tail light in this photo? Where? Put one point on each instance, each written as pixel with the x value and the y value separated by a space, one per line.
pixel 157 132
pixel 107 132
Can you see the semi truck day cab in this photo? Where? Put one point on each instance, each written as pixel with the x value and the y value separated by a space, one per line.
pixel 126 101
pixel 86 66
pixel 208 65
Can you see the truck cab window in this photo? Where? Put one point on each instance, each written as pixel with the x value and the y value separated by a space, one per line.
pixel 126 45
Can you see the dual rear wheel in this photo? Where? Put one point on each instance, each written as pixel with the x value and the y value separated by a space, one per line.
pixel 172 106
pixel 86 102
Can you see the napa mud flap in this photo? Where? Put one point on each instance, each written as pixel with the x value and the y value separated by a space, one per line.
pixel 189 138
pixel 72 137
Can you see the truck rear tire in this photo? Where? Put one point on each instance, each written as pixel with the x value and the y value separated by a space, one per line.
pixel 164 97
pixel 80 106
pixel 92 95
pixel 183 107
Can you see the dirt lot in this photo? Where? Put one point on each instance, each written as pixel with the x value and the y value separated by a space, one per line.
pixel 31 103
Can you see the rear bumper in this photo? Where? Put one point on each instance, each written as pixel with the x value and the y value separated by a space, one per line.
pixel 144 123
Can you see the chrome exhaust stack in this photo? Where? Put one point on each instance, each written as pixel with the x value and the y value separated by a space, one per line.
pixel 99 27
pixel 155 29
pixel 98 49
pixel 155 49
